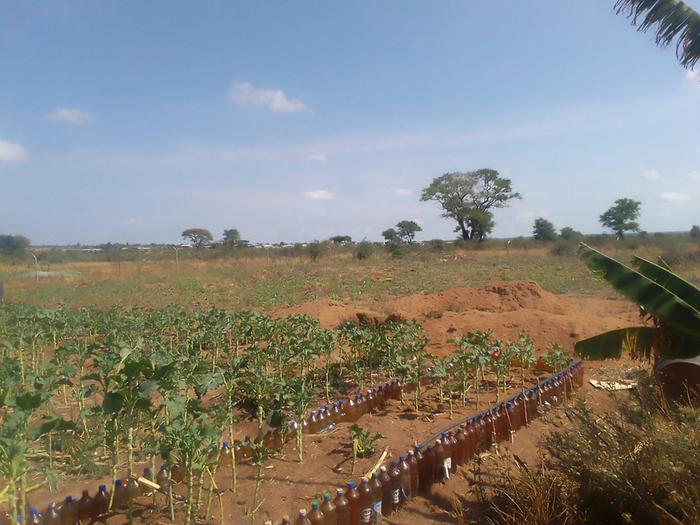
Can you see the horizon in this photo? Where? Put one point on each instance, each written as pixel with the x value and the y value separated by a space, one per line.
pixel 306 120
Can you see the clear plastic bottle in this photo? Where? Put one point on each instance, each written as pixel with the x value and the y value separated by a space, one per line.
pixel 376 486
pixel 328 509
pixel 316 516
pixel 147 475
pixel 312 423
pixel 100 502
pixel 342 507
pixel 162 478
pixel 365 502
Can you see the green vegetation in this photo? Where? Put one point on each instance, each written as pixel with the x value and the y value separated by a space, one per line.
pixel 197 237
pixel 622 217
pixel 543 230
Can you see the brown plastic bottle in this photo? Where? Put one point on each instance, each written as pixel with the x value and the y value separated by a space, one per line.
pixel 225 456
pixel 351 414
pixel 427 478
pixel 328 509
pixel 405 479
pixel 441 467
pixel 387 500
pixel 488 435
pixel 335 412
pixel 312 423
pixel 302 519
pixel 51 516
pixel 69 512
pixel 501 423
pixel 453 452
pixel 133 488
pixel 316 516
pixel 376 486
pixel 286 520
pixel 395 483
pixel 86 506
pixel 100 502
pixel 460 447
pixel 413 463
pixel 353 502
pixel 119 498
pixel 365 502
pixel 469 445
pixel 342 508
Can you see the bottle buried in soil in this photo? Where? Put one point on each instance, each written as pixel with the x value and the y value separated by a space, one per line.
pixel 427 476
pixel 316 516
pixel 353 502
pixel 312 424
pixel 385 480
pixel 86 507
pixel 286 521
pixel 225 456
pixel 302 519
pixel 376 486
pixel 405 479
pixel 413 464
pixel 441 466
pixel 34 517
pixel 342 508
pixel 51 516
pixel 101 502
pixel 120 498
pixel 161 478
pixel 460 447
pixel 69 512
pixel 470 444
pixel 365 502
pixel 395 483
pixel 328 509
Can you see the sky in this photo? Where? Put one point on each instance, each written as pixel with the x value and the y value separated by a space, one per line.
pixel 130 121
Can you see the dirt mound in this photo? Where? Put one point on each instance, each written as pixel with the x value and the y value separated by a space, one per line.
pixel 506 307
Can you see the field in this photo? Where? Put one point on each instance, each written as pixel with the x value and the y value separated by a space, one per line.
pixel 414 306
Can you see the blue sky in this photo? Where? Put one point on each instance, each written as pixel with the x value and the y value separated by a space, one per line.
pixel 131 121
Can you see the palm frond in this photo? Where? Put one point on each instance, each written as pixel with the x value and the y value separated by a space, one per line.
pixel 672 19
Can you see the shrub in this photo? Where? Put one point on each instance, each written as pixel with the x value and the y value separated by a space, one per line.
pixel 563 248
pixel 695 232
pixel 436 245
pixel 364 250
pixel 314 250
pixel 569 234
pixel 396 249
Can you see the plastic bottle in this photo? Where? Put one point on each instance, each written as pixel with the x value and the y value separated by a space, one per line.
pixel 413 463
pixel 405 479
pixel 286 520
pixel 69 512
pixel 120 498
pixel 328 509
pixel 470 434
pixel 427 476
pixel 351 414
pixel 148 475
pixel 311 423
pixel 100 502
pixel 86 506
pixel 460 447
pixel 454 452
pixel 225 456
pixel 133 488
pixel 302 519
pixel 381 396
pixel 34 517
pixel 342 508
pixel 441 468
pixel 371 399
pixel 395 483
pixel 501 423
pixel 342 410
pixel 365 502
pixel 316 516
pixel 322 419
pixel 353 502
pixel 335 412
pixel 162 478
pixel 376 486
pixel 387 499
pixel 51 516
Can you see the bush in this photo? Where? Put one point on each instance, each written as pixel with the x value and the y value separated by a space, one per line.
pixel 436 245
pixel 396 249
pixel 569 234
pixel 364 250
pixel 314 250
pixel 564 248
pixel 695 232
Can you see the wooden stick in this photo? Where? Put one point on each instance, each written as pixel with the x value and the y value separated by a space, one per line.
pixel 378 463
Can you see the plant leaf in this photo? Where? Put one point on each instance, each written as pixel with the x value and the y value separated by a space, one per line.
pixel 609 345
pixel 669 280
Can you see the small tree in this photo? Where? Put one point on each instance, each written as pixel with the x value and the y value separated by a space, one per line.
pixel 314 250
pixel 13 244
pixel 695 232
pixel 391 235
pixel 341 239
pixel 569 234
pixel 407 230
pixel 622 216
pixel 232 237
pixel 197 237
pixel 543 230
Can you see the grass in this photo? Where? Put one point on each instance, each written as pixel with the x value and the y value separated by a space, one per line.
pixel 256 282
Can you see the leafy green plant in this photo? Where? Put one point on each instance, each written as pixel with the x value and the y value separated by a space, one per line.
pixel 363 443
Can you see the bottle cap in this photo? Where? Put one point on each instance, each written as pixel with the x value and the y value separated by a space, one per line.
pixel 411 453
pixel 374 475
pixel 146 471
pixel 460 430
pixel 383 469
pixel 327 496
pixel 315 505
pixel 340 491
pixel 402 458
pixel 118 483
pixel 302 512
pixel 392 463
pixel 351 485
pixel 438 442
pixel 102 488
pixel 33 511
pixel 225 444
pixel 444 435
pixel 69 499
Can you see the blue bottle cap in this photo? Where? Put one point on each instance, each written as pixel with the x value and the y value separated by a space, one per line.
pixel 351 485
pixel 102 488
pixel 392 463
pixel 69 499
pixel 402 458
pixel 225 444
pixel 33 511
pixel 146 470
pixel 118 483
pixel 444 434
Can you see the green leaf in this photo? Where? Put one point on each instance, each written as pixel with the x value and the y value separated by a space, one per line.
pixel 609 345
pixel 112 403
pixel 654 298
pixel 28 401
pixel 669 280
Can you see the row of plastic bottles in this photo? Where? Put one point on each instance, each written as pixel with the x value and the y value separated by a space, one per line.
pixel 436 462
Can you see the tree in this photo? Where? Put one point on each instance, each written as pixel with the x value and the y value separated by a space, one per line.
pixel 569 234
pixel 695 232
pixel 543 230
pixel 672 19
pixel 407 230
pixel 468 198
pixel 391 235
pixel 198 237
pixel 621 217
pixel 232 237
pixel 314 250
pixel 341 239
pixel 13 244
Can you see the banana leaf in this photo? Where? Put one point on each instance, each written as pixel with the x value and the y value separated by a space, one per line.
pixel 609 345
pixel 658 301
pixel 669 280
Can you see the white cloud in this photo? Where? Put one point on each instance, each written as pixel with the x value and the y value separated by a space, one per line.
pixel 673 196
pixel 403 192
pixel 318 157
pixel 694 176
pixel 246 94
pixel 11 151
pixel 318 195
pixel 651 175
pixel 70 116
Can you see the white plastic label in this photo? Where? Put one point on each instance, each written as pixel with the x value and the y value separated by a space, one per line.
pixel 396 496
pixel 448 466
pixel 366 515
pixel 377 511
